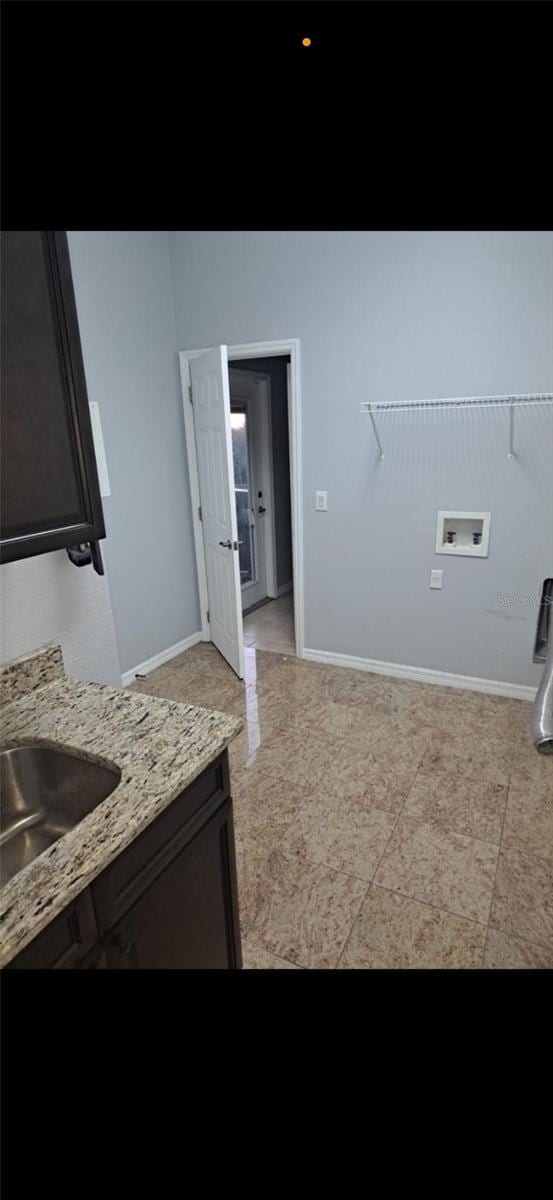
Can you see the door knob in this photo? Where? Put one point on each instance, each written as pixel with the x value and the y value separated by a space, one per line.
pixel 230 545
pixel 261 509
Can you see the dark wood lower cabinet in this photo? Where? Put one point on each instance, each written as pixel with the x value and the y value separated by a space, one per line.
pixel 185 918
pixel 168 902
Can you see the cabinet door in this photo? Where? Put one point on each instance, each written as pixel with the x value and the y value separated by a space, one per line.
pixel 50 496
pixel 134 872
pixel 188 919
pixel 65 943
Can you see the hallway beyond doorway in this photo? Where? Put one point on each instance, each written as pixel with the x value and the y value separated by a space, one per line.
pixel 271 626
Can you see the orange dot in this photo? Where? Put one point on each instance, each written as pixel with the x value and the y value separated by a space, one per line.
pixel 306 41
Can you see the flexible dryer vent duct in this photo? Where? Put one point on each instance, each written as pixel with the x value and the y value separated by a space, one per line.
pixel 542 723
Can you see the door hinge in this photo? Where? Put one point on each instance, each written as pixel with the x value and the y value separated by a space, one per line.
pixel 207 614
pixel 200 512
pixel 190 397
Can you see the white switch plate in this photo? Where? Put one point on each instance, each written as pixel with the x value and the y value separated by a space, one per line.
pixel 436 579
pixel 321 501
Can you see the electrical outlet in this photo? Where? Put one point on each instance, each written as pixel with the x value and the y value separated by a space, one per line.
pixel 436 578
pixel 320 501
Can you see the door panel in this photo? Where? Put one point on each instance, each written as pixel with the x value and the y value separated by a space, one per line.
pixel 246 437
pixel 49 482
pixel 211 399
pixel 188 918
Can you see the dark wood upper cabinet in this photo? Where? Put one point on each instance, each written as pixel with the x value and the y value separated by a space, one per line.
pixel 50 496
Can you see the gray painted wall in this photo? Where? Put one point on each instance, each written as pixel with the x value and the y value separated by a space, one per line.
pixel 47 599
pixel 124 302
pixel 401 316
pixel 276 368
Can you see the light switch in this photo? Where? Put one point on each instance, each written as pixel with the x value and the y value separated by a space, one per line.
pixel 321 501
pixel 436 579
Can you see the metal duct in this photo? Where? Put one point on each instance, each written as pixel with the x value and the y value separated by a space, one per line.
pixel 542 722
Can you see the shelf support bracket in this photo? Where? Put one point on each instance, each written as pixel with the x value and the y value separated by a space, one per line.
pixel 375 430
pixel 512 431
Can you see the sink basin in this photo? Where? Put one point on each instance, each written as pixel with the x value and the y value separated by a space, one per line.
pixel 45 793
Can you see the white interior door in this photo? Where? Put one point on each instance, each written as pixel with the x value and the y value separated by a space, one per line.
pixel 211 401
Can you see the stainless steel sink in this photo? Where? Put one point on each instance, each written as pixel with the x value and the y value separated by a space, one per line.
pixel 44 794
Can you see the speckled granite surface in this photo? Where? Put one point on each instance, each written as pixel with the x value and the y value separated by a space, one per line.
pixel 30 671
pixel 160 747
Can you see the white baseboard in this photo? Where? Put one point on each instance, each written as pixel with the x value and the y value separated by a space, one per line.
pixel 158 659
pixel 495 687
pixel 285 587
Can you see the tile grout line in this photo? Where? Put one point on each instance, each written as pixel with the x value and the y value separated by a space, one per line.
pixel 435 907
pixel 371 883
pixel 335 872
pixel 355 919
pixel 412 899
pixel 507 933
pixel 279 956
pixel 444 828
pixel 488 925
pixel 446 911
pixel 393 891
pixel 265 860
pixel 353 924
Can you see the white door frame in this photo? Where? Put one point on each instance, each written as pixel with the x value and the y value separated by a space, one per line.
pixel 272 349
pixel 263 414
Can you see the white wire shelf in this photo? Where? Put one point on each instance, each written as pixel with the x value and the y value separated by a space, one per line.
pixel 456 402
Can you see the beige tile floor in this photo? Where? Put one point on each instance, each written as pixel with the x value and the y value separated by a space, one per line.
pixel 379 823
pixel 271 627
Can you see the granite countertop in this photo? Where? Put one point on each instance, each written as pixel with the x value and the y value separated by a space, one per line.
pixel 158 745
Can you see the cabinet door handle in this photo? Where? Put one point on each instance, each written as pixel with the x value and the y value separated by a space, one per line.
pixel 84 553
pixel 80 555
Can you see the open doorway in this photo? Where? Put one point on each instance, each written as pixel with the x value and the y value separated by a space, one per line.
pixel 261 461
pixel 250 582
